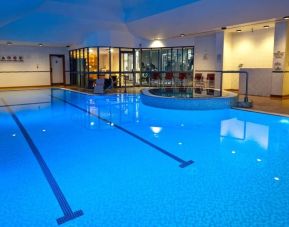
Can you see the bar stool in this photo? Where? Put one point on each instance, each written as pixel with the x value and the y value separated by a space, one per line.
pixel 169 78
pixel 182 77
pixel 199 80
pixel 155 78
pixel 211 80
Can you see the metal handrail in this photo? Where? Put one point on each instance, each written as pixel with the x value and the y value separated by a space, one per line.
pixel 246 99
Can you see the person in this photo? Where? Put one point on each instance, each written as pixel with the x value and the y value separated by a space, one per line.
pixel 108 83
pixel 152 66
pixel 168 66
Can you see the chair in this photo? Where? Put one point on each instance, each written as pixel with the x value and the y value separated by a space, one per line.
pixel 155 77
pixel 199 80
pixel 211 80
pixel 198 90
pixel 169 78
pixel 182 77
pixel 211 92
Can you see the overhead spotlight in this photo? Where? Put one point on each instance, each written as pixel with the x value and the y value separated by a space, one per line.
pixel 182 35
pixel 40 44
pixel 9 43
pixel 224 28
pixel 266 26
pixel 238 30
pixel 286 18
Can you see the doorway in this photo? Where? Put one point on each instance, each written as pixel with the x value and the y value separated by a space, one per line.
pixel 127 67
pixel 57 69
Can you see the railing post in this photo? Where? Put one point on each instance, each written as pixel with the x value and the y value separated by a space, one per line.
pixel 125 83
pixel 221 84
pixel 246 99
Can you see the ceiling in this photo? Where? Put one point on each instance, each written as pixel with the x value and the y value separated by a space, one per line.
pixel 67 22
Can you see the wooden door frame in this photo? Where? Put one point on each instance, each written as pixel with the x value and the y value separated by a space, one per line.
pixel 63 60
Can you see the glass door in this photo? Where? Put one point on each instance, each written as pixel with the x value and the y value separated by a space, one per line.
pixel 127 68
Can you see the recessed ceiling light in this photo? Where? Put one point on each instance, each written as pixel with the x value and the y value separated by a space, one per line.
pixel 182 35
pixel 266 26
pixel 239 30
pixel 286 18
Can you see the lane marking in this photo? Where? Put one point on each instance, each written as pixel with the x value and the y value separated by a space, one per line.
pixel 63 203
pixel 182 162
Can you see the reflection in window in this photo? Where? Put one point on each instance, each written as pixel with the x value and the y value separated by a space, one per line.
pixel 188 59
pixel 114 55
pixel 145 60
pixel 93 60
pixel 154 66
pixel 166 58
pixel 104 60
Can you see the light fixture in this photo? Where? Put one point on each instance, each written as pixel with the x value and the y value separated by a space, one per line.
pixel 67 46
pixel 286 18
pixel 266 26
pixel 40 44
pixel 182 35
pixel 238 30
pixel 9 43
pixel 224 28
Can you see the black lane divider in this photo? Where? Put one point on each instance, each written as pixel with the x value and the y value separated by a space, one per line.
pixel 182 162
pixel 24 104
pixel 64 205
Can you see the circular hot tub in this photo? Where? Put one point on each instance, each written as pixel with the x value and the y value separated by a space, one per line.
pixel 188 98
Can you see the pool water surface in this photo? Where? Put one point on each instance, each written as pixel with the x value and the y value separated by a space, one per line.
pixel 72 159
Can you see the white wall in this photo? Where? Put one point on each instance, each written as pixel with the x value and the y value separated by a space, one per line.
pixel 253 49
pixel 205 52
pixel 248 49
pixel 35 59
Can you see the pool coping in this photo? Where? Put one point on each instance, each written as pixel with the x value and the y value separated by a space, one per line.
pixel 182 103
pixel 145 91
pixel 261 112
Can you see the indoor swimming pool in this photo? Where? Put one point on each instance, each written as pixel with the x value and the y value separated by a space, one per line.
pixel 72 159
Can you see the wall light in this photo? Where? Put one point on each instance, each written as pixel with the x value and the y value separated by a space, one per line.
pixel 239 30
pixel 182 35
pixel 224 28
pixel 9 43
pixel 40 44
pixel 266 26
pixel 286 18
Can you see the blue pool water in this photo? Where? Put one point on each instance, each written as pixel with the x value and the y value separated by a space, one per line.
pixel 112 161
